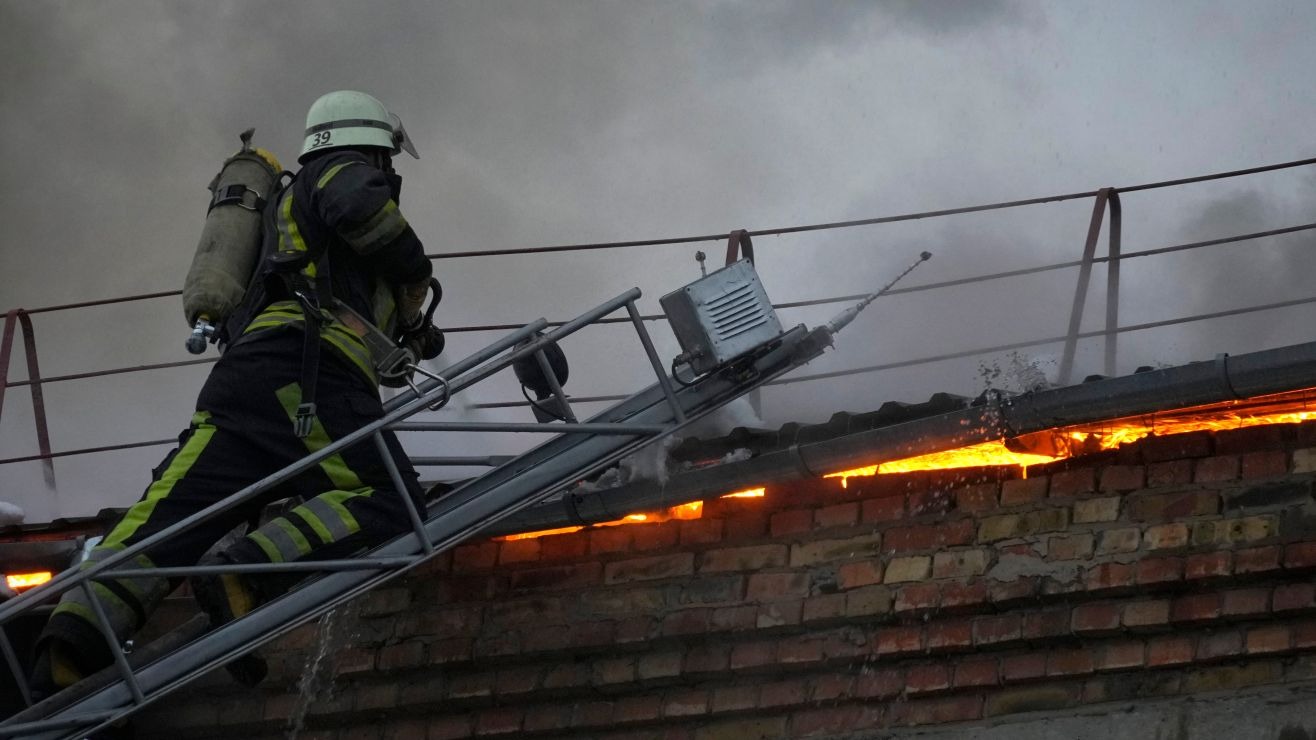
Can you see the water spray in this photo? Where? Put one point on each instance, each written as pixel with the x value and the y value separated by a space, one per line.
pixel 845 317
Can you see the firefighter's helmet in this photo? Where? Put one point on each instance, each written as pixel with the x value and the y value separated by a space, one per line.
pixel 347 118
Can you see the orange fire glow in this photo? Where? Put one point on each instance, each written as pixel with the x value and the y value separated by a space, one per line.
pixel 1057 444
pixel 24 581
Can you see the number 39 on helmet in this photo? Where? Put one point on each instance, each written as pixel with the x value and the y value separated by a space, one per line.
pixel 348 118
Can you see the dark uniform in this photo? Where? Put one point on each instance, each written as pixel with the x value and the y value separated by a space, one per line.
pixel 243 428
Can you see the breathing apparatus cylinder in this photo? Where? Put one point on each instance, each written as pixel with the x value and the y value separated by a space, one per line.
pixel 230 243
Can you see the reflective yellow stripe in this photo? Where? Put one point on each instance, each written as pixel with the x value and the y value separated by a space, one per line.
pixel 386 225
pixel 329 175
pixel 334 466
pixel 271 552
pixel 346 341
pixel 187 456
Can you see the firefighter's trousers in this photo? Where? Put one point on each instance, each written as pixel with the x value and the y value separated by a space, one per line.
pixel 242 432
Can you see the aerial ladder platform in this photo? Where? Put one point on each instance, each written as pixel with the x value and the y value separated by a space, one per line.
pixel 733 344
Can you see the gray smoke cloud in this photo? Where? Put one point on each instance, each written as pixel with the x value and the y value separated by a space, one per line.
pixel 568 122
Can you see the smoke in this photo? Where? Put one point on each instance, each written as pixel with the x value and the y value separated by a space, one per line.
pixel 567 122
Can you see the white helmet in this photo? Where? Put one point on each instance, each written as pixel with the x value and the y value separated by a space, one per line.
pixel 349 118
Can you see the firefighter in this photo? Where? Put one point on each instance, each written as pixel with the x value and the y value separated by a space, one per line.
pixel 338 242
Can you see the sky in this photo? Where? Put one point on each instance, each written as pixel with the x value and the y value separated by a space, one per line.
pixel 543 123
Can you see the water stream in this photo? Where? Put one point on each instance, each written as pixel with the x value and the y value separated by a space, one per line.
pixel 333 632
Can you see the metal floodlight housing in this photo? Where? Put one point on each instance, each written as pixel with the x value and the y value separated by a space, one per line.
pixel 721 316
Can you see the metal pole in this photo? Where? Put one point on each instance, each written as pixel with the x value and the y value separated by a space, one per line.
pixel 15 668
pixel 1081 291
pixel 295 566
pixel 604 428
pixel 38 399
pixel 121 661
pixel 1113 284
pixel 491 461
pixel 555 387
pixel 404 492
pixel 663 381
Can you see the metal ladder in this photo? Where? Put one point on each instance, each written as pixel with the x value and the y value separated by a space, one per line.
pixel 579 449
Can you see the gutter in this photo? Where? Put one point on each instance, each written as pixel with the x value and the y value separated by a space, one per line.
pixel 1223 379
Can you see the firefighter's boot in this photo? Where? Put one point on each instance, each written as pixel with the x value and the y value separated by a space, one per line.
pixel 223 598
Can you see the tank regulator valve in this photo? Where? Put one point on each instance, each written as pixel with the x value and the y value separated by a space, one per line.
pixel 202 331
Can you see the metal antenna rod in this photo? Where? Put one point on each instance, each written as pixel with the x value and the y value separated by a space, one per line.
pixel 845 317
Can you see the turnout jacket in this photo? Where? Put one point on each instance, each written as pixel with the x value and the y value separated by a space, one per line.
pixel 343 207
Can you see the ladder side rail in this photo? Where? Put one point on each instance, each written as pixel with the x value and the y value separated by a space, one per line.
pixel 72 578
pixel 638 322
pixel 452 521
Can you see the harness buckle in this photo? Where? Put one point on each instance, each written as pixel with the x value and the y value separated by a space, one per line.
pixel 304 420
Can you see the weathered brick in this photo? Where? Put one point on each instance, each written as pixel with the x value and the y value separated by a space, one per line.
pixel 928 536
pixel 1249 439
pixel 1159 570
pixel 650 568
pixel 976 673
pixel 1170 507
pixel 1029 523
pixel 734 698
pixel 519 551
pixel 1073 482
pixel 1300 555
pixel 915 568
pixel 1264 464
pixel 743 558
pixel 1123 478
pixel 1219 644
pixel 812 553
pixel 917 712
pixel 1195 608
pixel 1234 676
pixel 1304 460
pixel 563 547
pixel 1125 539
pixel 898 639
pixel 994 528
pixel 685 703
pixel 1294 596
pixel 880 683
pixel 924 679
pixel 959 595
pixel 1208 565
pixel 1216 469
pixel 1245 602
pixel 884 509
pixel 1144 614
pixel 756 727
pixel 794 521
pixel 783 693
pixel 837 515
pixel 803 649
pixel 603 540
pixel 977 498
pixel 917 597
pixel 476 556
pixel 823 606
pixel 960 564
pixel 830 721
pixel 1031 699
pixel 1156 448
pixel 1045 624
pixel 498 721
pixel 401 655
pixel 686 622
pixel 1271 638
pixel 990 630
pixel 1097 510
pixel 637 709
pixel 1121 655
pixel 763 587
pixel 1109 575
pixel 1023 490
pixel 949 634
pixel 861 573
pixel 1171 473
pixel 1166 536
pixel 743 655
pixel 934 501
pixel 1069 547
pixel 1096 618
pixel 868 601
pixel 1170 650
pixel 576 575
pixel 1023 667
pixel 1256 560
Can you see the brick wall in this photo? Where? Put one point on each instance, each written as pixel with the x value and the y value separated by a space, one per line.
pixel 1178 566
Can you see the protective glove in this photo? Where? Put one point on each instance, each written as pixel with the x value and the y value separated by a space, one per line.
pixel 426 342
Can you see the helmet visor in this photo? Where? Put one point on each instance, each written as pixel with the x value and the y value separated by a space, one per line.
pixel 401 139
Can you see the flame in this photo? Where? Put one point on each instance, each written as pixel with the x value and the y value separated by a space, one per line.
pixel 1058 444
pixel 748 493
pixel 692 510
pixel 24 581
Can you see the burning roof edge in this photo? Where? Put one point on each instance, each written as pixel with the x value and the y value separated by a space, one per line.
pixel 1223 379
